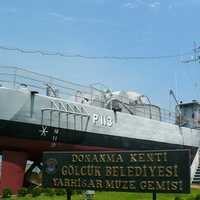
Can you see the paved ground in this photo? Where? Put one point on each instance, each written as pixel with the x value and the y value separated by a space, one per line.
pixel 195 186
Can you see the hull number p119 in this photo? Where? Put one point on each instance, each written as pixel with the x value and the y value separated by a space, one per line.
pixel 103 120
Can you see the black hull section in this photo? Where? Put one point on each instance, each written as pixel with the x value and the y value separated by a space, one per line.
pixel 34 132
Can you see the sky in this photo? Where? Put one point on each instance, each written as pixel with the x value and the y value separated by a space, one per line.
pixel 107 28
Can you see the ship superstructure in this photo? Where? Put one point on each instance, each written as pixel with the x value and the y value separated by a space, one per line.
pixel 40 113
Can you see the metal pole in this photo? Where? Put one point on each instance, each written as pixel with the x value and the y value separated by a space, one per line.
pixel 150 114
pixel 15 78
pixel 69 194
pixel 154 196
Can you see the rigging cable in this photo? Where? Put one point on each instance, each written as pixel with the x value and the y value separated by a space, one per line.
pixel 48 53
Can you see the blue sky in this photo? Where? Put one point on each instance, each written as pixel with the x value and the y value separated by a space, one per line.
pixel 112 28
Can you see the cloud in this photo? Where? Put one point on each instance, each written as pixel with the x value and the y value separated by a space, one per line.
pixel 129 5
pixel 133 4
pixel 61 17
pixel 141 3
pixel 64 18
pixel 154 4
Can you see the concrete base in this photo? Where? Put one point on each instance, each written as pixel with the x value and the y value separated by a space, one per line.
pixel 13 169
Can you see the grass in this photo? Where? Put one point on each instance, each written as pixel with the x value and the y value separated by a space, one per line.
pixel 114 196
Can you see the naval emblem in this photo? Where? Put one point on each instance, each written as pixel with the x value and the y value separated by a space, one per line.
pixel 51 166
pixel 43 131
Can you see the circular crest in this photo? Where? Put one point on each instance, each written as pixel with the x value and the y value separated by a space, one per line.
pixel 51 166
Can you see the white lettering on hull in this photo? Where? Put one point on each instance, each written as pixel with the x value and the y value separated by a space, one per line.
pixel 103 120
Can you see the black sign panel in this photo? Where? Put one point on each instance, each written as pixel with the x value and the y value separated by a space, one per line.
pixel 144 171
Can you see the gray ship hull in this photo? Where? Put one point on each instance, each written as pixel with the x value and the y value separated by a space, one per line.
pixel 32 117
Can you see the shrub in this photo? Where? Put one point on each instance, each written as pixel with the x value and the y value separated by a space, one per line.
pixel 36 192
pixel 177 198
pixel 49 192
pixel 7 192
pixel 79 192
pixel 197 197
pixel 71 191
pixel 190 198
pixel 22 192
pixel 60 192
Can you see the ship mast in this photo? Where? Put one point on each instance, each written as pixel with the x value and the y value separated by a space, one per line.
pixel 196 57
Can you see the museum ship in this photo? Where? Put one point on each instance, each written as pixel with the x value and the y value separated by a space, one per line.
pixel 41 113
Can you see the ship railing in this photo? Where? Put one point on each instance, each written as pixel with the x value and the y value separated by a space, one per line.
pixel 160 115
pixel 66 109
pixel 168 116
pixel 15 77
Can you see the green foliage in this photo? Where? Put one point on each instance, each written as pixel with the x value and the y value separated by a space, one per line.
pixel 60 192
pixel 36 192
pixel 191 198
pixel 197 197
pixel 177 198
pixel 113 196
pixel 49 192
pixel 7 192
pixel 78 192
pixel 22 192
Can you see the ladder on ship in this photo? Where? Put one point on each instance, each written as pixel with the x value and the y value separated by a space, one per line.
pixel 196 179
pixel 61 114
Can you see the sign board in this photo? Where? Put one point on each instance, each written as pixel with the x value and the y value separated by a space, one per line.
pixel 132 171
